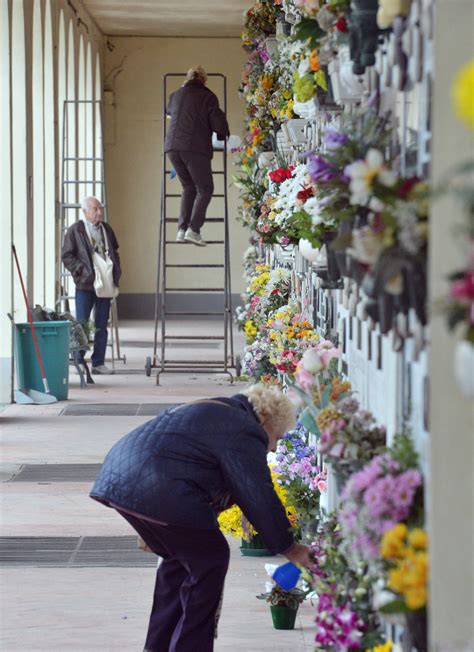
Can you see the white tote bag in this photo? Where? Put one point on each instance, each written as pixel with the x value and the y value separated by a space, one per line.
pixel 103 267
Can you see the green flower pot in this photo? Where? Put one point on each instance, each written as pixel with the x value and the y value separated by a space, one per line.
pixel 255 547
pixel 283 617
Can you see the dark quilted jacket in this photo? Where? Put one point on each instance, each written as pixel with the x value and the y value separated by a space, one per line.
pixel 195 114
pixel 77 255
pixel 172 468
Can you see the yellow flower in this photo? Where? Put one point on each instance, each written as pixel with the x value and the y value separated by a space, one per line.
pixel 231 520
pixel 327 416
pixel 386 647
pixel 418 539
pixel 393 541
pixel 463 94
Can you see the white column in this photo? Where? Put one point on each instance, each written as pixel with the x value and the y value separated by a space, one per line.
pixel 451 495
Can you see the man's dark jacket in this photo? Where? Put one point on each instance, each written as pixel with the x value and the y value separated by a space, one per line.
pixel 77 255
pixel 174 468
pixel 195 114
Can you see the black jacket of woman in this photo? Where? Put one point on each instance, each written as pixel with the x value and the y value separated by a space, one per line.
pixel 178 467
pixel 195 115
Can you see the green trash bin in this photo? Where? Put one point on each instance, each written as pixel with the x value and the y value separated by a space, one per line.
pixel 53 342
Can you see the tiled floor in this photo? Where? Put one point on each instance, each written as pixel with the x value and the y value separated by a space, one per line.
pixel 106 609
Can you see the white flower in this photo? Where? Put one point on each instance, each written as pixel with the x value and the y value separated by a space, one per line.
pixel 363 174
pixel 366 245
pixel 311 361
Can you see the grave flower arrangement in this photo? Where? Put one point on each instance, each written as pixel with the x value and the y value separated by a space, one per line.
pixel 345 619
pixel 388 490
pixel 299 472
pixel 349 437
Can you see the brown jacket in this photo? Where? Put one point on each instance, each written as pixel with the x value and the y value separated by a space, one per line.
pixel 77 255
pixel 195 114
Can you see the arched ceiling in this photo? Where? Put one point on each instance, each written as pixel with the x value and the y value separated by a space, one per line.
pixel 211 18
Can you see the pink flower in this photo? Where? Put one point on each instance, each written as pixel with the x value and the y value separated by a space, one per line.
pixel 304 378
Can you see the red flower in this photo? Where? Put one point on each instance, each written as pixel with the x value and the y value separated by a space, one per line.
pixel 304 194
pixel 407 186
pixel 341 24
pixel 275 291
pixel 463 288
pixel 280 175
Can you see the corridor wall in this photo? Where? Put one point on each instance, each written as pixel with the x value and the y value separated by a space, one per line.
pixel 134 69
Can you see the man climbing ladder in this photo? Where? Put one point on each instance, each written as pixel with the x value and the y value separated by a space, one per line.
pixel 195 115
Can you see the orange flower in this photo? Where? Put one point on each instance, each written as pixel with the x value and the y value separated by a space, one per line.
pixel 314 61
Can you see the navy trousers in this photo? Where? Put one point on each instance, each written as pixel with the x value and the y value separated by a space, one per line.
pixel 85 301
pixel 195 173
pixel 189 585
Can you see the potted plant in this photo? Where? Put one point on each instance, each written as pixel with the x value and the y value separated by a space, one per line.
pixel 284 605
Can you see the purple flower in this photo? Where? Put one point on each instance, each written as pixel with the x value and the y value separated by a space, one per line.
pixel 320 170
pixel 334 139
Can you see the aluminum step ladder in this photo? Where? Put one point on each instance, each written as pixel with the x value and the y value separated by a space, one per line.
pixel 185 253
pixel 82 175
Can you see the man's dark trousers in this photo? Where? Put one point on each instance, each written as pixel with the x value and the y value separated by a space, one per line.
pixel 189 585
pixel 85 301
pixel 195 173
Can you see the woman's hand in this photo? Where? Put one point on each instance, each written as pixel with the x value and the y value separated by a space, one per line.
pixel 300 555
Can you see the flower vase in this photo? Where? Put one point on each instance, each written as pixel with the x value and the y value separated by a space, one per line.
pixel 464 367
pixel 283 617
pixel 417 626
pixel 255 547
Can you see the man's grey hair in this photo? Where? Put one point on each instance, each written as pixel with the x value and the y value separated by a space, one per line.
pixel 87 201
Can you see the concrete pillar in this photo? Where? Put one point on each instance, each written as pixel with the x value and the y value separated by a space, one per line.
pixel 451 496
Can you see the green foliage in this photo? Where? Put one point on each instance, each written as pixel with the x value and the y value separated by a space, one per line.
pixel 278 597
pixel 403 451
pixel 309 30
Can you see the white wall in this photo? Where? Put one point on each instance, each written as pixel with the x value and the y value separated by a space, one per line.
pixel 451 417
pixel 133 72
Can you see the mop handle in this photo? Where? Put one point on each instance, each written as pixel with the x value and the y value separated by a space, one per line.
pixel 30 319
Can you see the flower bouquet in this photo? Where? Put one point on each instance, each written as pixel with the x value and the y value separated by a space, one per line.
pixel 301 476
pixel 345 619
pixel 317 382
pixel 349 437
pixel 232 521
pixel 406 557
pixel 386 491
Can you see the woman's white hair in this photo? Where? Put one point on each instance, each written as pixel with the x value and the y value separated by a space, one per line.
pixel 197 72
pixel 273 408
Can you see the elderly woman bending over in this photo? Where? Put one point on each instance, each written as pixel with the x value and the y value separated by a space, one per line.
pixel 169 479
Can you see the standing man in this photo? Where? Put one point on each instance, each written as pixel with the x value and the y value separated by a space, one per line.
pixel 195 115
pixel 81 240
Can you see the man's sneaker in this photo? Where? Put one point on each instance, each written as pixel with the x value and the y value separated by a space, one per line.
pixel 103 370
pixel 180 235
pixel 195 238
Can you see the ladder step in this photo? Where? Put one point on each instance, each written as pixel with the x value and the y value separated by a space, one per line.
pixel 168 289
pixel 83 158
pixel 193 314
pixel 194 265
pixel 208 219
pixel 213 171
pixel 184 363
pixel 77 205
pixel 176 196
pixel 208 242
pixel 92 182
pixel 194 337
